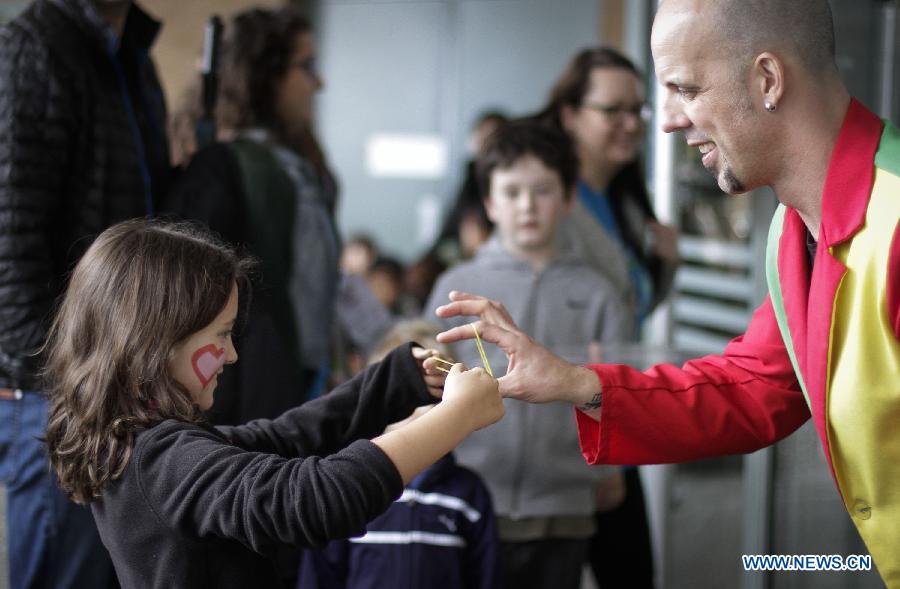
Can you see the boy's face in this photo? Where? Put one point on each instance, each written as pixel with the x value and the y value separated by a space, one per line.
pixel 198 359
pixel 527 202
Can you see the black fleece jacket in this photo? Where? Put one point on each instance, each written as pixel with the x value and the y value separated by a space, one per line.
pixel 200 506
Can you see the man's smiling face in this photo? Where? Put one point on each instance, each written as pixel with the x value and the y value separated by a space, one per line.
pixel 706 94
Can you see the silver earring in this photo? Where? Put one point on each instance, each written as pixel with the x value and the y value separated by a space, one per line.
pixel 770 106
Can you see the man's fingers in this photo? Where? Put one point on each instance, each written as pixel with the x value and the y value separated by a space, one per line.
pixel 505 386
pixel 489 311
pixel 464 307
pixel 456 334
pixel 458 295
pixel 505 339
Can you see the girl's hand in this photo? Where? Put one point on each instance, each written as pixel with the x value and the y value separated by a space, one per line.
pixel 477 393
pixel 434 378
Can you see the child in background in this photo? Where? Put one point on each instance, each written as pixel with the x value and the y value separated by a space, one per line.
pixel 543 491
pixel 358 255
pixel 133 357
pixel 439 534
pixel 385 280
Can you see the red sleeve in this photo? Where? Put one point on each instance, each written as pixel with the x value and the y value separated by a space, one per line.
pixel 743 400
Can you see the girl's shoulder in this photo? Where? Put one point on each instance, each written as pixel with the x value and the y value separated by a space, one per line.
pixel 175 434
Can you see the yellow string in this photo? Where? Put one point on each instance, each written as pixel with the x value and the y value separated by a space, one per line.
pixel 484 360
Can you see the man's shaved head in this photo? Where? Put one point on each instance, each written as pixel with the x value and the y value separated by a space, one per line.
pixel 806 26
pixel 749 27
pixel 734 71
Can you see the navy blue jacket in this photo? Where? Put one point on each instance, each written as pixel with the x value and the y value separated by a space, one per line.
pixel 440 534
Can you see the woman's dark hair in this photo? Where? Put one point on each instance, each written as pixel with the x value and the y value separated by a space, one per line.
pixel 141 288
pixel 255 56
pixel 256 51
pixel 516 139
pixel 569 91
pixel 574 82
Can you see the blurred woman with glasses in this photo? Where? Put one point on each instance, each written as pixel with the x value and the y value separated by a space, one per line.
pixel 267 186
pixel 599 102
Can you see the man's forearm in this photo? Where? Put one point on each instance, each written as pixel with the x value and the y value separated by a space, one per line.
pixel 586 391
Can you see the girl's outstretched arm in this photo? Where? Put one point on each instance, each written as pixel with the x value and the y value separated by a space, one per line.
pixel 471 401
pixel 360 408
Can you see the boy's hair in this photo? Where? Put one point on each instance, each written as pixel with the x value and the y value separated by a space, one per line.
pixel 141 288
pixel 421 331
pixel 389 266
pixel 522 137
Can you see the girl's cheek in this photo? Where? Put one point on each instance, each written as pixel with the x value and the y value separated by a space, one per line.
pixel 207 361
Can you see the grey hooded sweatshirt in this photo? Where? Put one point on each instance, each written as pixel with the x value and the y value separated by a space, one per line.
pixel 531 460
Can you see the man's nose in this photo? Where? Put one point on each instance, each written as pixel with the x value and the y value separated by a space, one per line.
pixel 673 116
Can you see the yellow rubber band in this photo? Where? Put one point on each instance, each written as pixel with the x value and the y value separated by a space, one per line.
pixel 478 344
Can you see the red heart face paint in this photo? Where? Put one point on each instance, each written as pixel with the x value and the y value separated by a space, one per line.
pixel 207 361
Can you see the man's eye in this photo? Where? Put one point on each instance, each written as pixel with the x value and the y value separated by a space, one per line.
pixel 687 93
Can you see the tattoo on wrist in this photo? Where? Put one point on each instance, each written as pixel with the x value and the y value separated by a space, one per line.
pixel 594 403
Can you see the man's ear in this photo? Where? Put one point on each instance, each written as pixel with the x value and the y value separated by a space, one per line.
pixel 768 78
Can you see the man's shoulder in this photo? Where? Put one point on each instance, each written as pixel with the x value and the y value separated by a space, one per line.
pixel 21 35
pixel 41 39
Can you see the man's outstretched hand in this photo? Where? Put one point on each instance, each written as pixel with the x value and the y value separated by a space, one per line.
pixel 534 374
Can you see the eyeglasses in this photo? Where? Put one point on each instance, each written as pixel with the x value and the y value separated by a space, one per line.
pixel 616 113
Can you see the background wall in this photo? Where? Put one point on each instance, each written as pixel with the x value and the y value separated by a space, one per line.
pixel 178 47
pixel 427 68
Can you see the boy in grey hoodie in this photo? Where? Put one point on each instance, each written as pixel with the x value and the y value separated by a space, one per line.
pixel 543 492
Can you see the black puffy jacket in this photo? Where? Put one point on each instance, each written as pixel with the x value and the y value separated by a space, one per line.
pixel 82 146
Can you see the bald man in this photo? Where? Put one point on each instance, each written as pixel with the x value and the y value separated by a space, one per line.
pixel 752 84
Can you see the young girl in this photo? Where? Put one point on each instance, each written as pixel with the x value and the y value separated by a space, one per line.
pixel 133 356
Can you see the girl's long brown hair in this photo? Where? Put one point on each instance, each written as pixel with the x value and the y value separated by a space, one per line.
pixel 142 287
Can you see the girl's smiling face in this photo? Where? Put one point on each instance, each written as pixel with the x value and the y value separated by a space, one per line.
pixel 198 359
